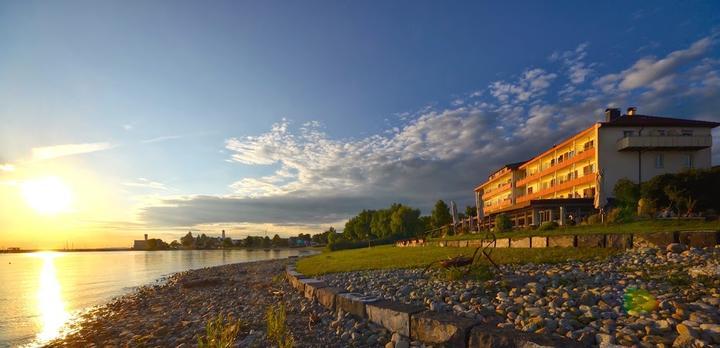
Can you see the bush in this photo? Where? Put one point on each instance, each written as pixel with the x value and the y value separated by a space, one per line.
pixel 627 193
pixel 646 208
pixel 620 215
pixel 548 225
pixel 343 244
pixel 502 223
pixel 277 329
pixel 219 334
pixel 593 219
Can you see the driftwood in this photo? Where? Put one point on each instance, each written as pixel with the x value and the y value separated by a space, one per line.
pixel 467 261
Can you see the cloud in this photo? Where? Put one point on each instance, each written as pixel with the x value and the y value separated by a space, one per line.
pixel 146 183
pixel 647 71
pixel 7 167
pixel 55 151
pixel 162 138
pixel 440 153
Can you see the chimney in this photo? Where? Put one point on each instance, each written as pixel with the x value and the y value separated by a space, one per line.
pixel 631 111
pixel 145 236
pixel 611 114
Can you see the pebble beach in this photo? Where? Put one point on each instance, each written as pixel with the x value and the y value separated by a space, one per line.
pixel 676 293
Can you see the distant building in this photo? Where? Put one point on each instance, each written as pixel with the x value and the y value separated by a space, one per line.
pixel 141 244
pixel 576 177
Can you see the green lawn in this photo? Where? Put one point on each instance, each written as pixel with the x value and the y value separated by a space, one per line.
pixel 390 257
pixel 645 226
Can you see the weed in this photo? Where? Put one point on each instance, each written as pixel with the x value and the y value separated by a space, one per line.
pixel 220 334
pixel 277 329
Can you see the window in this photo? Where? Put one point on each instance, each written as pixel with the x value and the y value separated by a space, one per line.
pixel 529 190
pixel 686 132
pixel 688 160
pixel 659 161
pixel 628 133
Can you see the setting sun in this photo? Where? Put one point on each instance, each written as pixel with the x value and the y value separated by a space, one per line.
pixel 47 196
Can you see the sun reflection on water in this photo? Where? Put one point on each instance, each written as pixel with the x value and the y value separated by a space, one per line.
pixel 50 303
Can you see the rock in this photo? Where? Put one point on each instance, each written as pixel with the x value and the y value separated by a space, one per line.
pixel 604 339
pixel 686 330
pixel 390 345
pixel 676 248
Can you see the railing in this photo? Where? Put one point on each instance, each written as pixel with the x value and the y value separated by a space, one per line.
pixel 578 157
pixel 664 142
pixel 496 191
pixel 590 177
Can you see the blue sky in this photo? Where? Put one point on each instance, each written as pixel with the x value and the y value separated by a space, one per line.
pixel 203 105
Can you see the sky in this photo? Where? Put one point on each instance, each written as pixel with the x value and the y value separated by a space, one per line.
pixel 289 117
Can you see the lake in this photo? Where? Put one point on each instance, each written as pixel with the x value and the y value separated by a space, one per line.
pixel 40 292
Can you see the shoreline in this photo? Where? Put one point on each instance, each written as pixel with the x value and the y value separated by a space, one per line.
pixel 173 311
pixel 131 249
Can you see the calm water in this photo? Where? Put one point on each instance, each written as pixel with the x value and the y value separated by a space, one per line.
pixel 39 292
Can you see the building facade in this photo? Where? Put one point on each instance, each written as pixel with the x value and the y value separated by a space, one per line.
pixel 576 177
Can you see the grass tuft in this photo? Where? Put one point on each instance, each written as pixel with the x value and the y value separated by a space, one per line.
pixel 277 329
pixel 219 333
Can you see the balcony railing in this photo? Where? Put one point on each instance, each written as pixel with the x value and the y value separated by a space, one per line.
pixel 667 142
pixel 588 178
pixel 577 158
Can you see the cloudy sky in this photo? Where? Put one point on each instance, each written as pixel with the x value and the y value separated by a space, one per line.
pixel 161 117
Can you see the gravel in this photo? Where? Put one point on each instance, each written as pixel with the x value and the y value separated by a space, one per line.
pixel 597 302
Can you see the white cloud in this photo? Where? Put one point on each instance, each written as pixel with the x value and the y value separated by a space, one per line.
pixel 146 183
pixel 7 167
pixel 162 138
pixel 50 152
pixel 440 153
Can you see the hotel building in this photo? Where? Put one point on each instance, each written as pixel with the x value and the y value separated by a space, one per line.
pixel 576 177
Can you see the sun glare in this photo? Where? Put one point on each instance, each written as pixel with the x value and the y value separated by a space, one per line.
pixel 48 196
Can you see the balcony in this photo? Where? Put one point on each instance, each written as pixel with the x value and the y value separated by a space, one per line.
pixel 585 154
pixel 588 178
pixel 497 190
pixel 667 142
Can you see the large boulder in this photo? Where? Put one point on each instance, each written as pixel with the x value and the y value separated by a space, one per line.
pixel 443 329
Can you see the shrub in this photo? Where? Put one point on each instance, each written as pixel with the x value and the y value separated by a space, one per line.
pixel 620 215
pixel 548 225
pixel 277 329
pixel 647 208
pixel 593 219
pixel 502 223
pixel 627 193
pixel 219 334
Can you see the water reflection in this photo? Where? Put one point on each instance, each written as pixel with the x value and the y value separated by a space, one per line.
pixel 50 303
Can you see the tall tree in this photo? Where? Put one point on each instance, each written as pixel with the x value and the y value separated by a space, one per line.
pixel 188 240
pixel 440 215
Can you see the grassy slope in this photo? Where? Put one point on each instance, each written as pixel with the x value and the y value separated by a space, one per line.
pixel 645 226
pixel 390 257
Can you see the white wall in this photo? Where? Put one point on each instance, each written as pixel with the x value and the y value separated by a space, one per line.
pixel 618 165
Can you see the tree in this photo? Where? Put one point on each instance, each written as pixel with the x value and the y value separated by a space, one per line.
pixel 405 222
pixel 627 193
pixel 470 211
pixel 175 245
pixel 277 241
pixel 227 243
pixel 380 224
pixel 440 215
pixel 266 242
pixel 188 241
pixel 502 223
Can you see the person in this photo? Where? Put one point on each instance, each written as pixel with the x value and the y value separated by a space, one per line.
pixel 571 220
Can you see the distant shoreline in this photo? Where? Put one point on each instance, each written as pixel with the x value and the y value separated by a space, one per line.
pixel 24 251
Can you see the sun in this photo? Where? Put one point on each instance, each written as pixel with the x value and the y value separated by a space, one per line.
pixel 48 195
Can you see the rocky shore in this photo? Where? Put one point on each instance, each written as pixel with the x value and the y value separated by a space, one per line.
pixel 174 312
pixel 643 298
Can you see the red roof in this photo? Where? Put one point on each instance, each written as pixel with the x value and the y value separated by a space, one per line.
pixel 656 121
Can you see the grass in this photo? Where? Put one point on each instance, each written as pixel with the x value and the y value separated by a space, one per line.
pixel 277 329
pixel 390 257
pixel 644 226
pixel 220 333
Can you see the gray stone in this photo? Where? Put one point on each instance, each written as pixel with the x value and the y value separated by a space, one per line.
pixel 326 296
pixel 440 328
pixel 311 287
pixel 700 239
pixel 590 240
pixel 393 316
pixel 618 241
pixel 353 303
pixel 561 241
pixel 653 240
pixel 492 337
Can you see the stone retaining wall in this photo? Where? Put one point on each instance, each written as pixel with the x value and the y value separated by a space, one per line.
pixel 418 323
pixel 699 239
